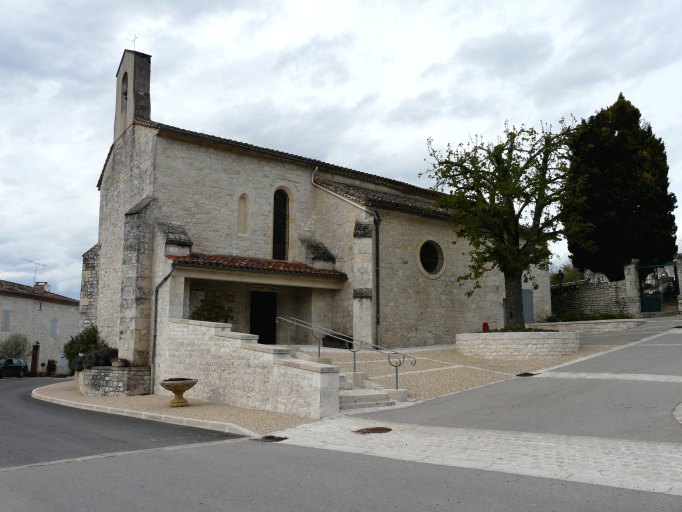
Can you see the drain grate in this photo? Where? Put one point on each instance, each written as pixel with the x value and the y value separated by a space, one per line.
pixel 526 374
pixel 373 430
pixel 271 439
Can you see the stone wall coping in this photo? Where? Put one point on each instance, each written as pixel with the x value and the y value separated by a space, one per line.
pixel 516 335
pixel 120 368
pixel 217 325
pixel 242 336
pixel 308 365
pixel 635 321
pixel 268 349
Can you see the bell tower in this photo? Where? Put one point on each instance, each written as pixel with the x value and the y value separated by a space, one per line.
pixel 132 90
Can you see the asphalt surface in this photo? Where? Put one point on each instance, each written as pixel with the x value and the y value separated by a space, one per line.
pixel 32 431
pixel 626 409
pixel 117 463
pixel 245 475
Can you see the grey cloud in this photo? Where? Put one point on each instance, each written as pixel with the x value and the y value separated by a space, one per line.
pixel 318 61
pixel 506 53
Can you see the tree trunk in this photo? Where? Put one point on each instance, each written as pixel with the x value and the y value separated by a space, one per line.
pixel 513 300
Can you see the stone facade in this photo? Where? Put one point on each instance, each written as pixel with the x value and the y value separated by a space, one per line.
pixel 90 286
pixel 42 317
pixel 109 381
pixel 517 345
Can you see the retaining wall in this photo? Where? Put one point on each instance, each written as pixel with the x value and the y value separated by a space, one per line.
pixel 517 345
pixel 233 368
pixel 110 381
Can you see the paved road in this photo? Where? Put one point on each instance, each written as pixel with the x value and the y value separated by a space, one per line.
pixel 33 431
pixel 441 455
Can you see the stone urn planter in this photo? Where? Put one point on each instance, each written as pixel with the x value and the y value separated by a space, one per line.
pixel 178 386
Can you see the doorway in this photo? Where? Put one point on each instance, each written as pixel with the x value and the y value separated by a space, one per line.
pixel 263 316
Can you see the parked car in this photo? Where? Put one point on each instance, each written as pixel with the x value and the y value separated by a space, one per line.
pixel 13 366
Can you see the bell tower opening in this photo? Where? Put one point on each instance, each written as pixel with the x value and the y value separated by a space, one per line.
pixel 132 90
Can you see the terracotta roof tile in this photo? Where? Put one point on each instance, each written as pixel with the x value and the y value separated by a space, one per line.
pixel 241 264
pixel 32 292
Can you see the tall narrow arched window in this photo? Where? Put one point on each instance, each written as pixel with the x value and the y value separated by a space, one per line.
pixel 242 214
pixel 280 226
pixel 124 92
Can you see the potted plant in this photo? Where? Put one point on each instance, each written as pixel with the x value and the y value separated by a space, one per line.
pixel 51 368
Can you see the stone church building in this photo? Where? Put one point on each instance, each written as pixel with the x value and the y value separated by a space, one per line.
pixel 184 215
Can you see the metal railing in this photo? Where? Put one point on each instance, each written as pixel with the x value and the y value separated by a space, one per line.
pixel 395 359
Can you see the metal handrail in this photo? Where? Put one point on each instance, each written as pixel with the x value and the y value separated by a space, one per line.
pixel 395 359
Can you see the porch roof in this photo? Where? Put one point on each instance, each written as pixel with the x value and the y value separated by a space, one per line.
pixel 256 265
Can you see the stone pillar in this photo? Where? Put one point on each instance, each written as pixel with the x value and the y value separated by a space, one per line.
pixel 633 300
pixel 89 287
pixel 136 284
pixel 363 280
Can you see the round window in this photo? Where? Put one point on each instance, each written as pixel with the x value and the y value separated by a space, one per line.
pixel 431 257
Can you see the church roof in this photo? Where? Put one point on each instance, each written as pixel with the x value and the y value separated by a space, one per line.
pixel 173 132
pixel 34 292
pixel 242 264
pixel 381 199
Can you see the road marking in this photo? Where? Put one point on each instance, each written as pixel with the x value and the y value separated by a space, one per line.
pixel 120 454
pixel 640 377
pixel 638 465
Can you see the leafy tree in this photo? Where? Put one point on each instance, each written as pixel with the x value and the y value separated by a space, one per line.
pixel 16 345
pixel 503 198
pixel 566 273
pixel 617 206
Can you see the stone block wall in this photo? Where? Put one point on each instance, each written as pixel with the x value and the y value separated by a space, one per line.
pixel 89 286
pixel 232 368
pixel 517 345
pixel 588 298
pixel 110 381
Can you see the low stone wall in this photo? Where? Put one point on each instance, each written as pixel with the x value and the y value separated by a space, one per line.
pixel 590 326
pixel 517 345
pixel 233 368
pixel 588 298
pixel 110 381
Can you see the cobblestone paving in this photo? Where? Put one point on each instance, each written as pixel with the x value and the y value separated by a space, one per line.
pixel 644 466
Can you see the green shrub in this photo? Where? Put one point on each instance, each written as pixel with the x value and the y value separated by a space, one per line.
pixel 574 317
pixel 85 341
pixel 212 310
pixel 98 357
pixel 51 366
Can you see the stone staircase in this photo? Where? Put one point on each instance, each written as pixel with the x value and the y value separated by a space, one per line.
pixel 357 392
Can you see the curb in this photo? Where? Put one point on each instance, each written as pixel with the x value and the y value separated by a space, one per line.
pixel 226 428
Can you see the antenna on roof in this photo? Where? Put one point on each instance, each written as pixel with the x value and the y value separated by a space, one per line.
pixel 35 271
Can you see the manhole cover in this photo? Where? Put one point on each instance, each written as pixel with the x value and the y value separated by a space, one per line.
pixel 373 430
pixel 271 439
pixel 526 374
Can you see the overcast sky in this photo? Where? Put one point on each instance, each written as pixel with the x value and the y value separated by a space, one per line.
pixel 359 84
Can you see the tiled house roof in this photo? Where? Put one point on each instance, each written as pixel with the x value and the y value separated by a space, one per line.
pixel 34 292
pixel 241 264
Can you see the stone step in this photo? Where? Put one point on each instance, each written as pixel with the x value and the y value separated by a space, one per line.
pixel 344 383
pixel 349 407
pixel 358 396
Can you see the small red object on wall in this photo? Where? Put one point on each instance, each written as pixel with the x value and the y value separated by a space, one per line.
pixel 486 327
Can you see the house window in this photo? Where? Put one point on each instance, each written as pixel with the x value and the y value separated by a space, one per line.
pixel 280 227
pixel 242 214
pixel 53 328
pixel 6 320
pixel 431 257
